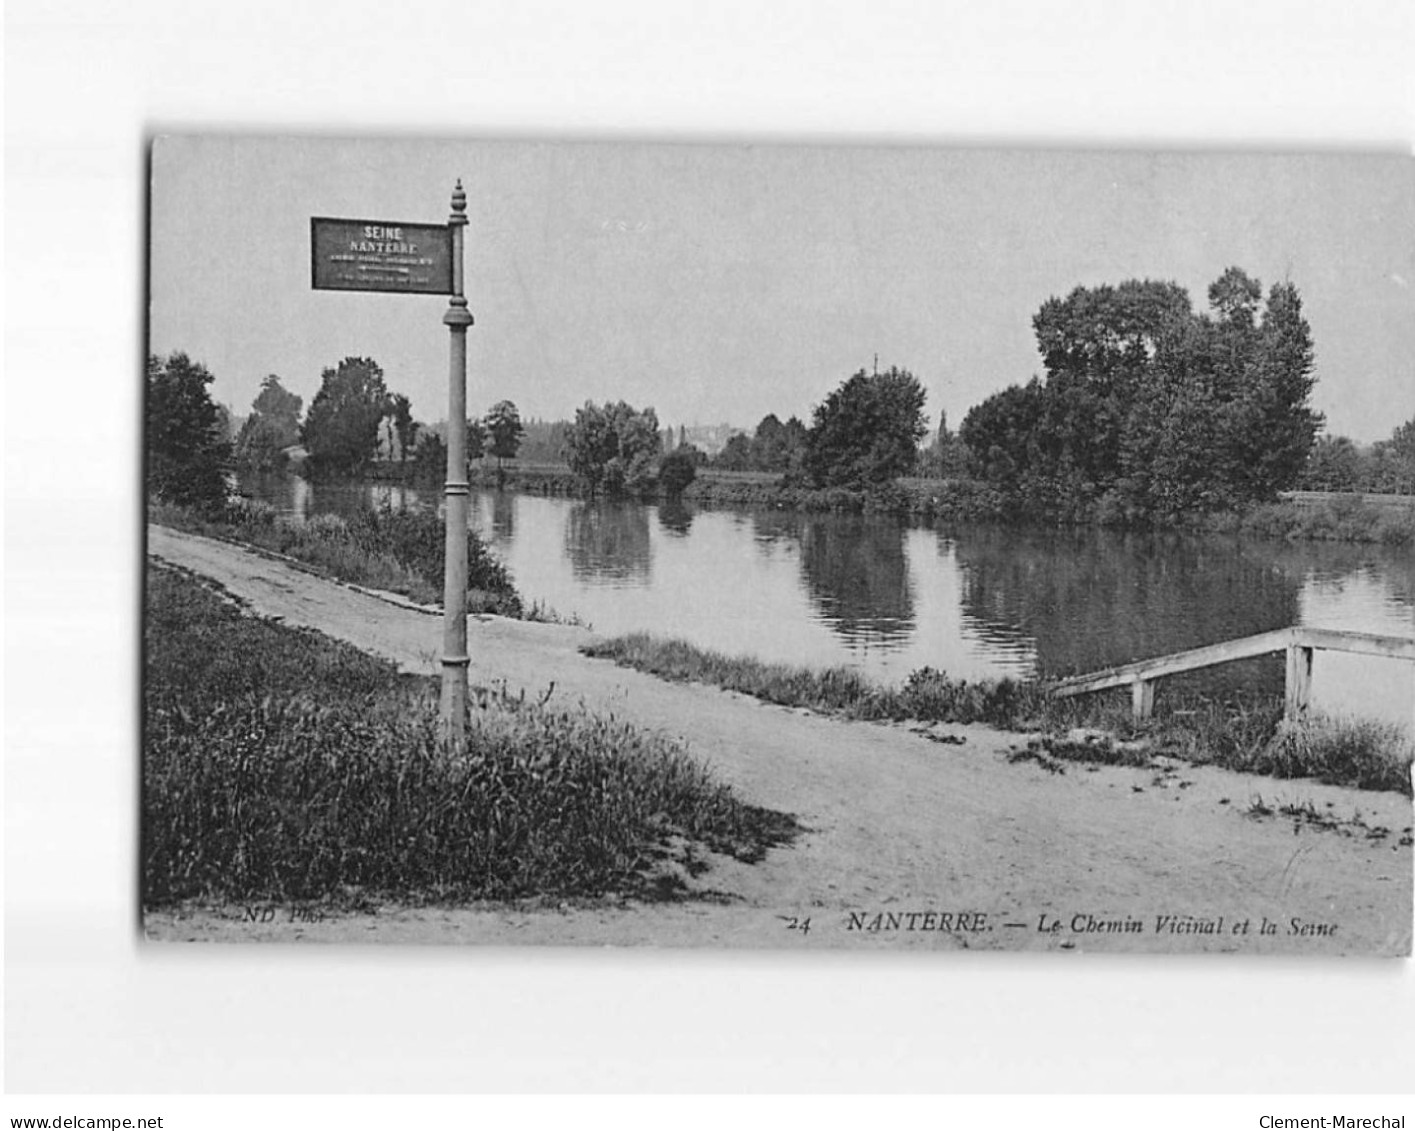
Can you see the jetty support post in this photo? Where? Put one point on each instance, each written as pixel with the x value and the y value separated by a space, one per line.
pixel 1298 686
pixel 455 659
pixel 1142 698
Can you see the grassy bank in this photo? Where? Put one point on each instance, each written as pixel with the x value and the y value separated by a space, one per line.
pixel 1239 732
pixel 281 765
pixel 397 551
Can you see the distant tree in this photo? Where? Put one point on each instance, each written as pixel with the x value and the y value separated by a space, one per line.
pixel 613 447
pixel 867 431
pixel 280 406
pixel 777 446
pixel 341 428
pixel 404 426
pixel 737 454
pixel 543 441
pixel 272 426
pixel 503 425
pixel 947 456
pixel 1392 462
pixel 187 454
pixel 476 439
pixel 1334 464
pixel 430 459
pixel 676 471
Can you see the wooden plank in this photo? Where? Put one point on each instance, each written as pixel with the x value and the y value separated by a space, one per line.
pixel 1363 643
pixel 1144 672
pixel 1211 654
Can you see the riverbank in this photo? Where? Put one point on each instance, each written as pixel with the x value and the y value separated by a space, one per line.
pixel 1245 736
pixel 897 818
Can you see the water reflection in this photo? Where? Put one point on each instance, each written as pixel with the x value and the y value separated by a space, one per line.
pixel 503 515
pixel 675 517
pixel 1090 600
pixel 772 527
pixel 609 542
pixel 858 576
pixel 888 598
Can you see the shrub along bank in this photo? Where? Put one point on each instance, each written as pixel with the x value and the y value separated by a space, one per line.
pixel 1243 732
pixel 281 765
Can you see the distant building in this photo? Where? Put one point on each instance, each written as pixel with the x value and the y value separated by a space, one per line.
pixel 710 438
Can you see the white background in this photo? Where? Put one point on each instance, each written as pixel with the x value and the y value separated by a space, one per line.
pixel 89 1008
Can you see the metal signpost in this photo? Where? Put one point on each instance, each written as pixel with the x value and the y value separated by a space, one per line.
pixel 403 258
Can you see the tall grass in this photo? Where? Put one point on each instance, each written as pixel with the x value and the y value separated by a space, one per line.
pixel 281 765
pixel 1360 752
pixel 1241 731
pixel 928 694
pixel 397 551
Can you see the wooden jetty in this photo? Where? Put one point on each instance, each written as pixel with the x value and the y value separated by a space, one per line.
pixel 1299 643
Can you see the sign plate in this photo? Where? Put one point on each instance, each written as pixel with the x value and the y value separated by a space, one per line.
pixel 381 255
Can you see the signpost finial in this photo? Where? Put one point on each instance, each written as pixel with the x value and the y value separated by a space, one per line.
pixel 459 205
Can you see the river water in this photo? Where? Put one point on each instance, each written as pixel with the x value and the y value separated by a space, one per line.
pixel 889 597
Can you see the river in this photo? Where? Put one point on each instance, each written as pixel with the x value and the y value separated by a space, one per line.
pixel 889 597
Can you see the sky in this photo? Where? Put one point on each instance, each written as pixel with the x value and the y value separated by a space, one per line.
pixel 722 283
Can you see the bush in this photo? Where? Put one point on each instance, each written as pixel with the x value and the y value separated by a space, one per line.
pixel 675 472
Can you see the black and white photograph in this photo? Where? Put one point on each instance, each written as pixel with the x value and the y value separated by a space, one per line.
pixel 785 546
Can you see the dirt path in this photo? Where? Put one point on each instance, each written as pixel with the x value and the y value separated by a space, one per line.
pixel 902 831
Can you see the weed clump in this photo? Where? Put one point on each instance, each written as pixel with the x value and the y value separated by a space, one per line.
pixel 1356 752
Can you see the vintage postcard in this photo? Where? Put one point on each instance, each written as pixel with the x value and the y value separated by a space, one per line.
pixel 853 547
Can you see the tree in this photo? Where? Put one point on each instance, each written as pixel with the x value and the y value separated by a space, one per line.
pixel 503 424
pixel 187 456
pixel 341 427
pixel 430 459
pixel 1149 409
pixel 1273 426
pixel 676 471
pixel 1392 462
pixel 736 454
pixel 613 447
pixel 1333 465
pixel 476 439
pixel 867 431
pixel 404 426
pixel 777 446
pixel 947 456
pixel 272 426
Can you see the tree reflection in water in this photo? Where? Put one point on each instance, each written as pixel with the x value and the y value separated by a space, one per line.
pixel 856 573
pixel 609 542
pixel 503 515
pixel 1090 599
pixel 675 517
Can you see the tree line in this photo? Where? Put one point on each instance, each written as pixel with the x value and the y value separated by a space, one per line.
pixel 190 452
pixel 1147 409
